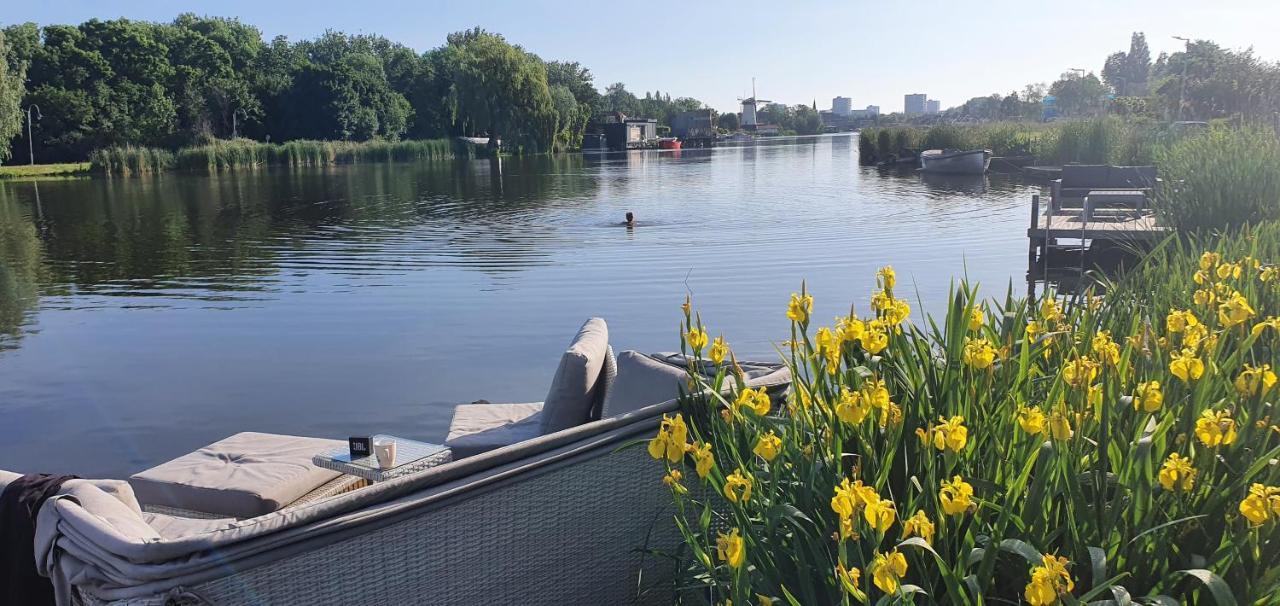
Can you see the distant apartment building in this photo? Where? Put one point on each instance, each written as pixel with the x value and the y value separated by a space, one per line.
pixel 870 113
pixel 932 106
pixel 914 104
pixel 841 106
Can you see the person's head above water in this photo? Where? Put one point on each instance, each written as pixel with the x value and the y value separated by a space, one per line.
pixel 630 218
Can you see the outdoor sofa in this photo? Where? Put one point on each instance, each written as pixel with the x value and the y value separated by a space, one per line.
pixel 573 514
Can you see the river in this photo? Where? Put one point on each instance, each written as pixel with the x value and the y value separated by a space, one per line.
pixel 141 318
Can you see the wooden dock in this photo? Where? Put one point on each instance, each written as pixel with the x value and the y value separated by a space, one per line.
pixel 1074 226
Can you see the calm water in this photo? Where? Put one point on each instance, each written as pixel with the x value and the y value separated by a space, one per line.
pixel 143 318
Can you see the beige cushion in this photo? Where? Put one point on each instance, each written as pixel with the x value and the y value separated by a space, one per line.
pixel 577 385
pixel 248 474
pixel 642 381
pixel 478 428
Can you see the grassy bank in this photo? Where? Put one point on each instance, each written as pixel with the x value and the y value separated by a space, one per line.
pixel 1062 451
pixel 245 154
pixel 1103 140
pixel 27 171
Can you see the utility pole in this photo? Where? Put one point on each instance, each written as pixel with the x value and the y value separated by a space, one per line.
pixel 1186 56
pixel 31 148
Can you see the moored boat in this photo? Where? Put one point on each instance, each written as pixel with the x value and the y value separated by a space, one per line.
pixel 668 143
pixel 955 162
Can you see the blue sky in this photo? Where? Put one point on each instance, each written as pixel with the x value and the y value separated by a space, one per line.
pixel 798 50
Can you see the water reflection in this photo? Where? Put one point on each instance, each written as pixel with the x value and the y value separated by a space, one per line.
pixel 160 314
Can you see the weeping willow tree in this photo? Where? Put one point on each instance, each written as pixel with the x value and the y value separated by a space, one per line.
pixel 20 268
pixel 12 86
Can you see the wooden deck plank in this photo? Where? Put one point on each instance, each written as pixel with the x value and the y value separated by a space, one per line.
pixel 1074 226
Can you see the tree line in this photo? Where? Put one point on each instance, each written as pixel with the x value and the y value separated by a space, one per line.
pixel 121 82
pixel 1202 82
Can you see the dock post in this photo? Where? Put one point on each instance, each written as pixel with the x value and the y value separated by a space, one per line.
pixel 1031 249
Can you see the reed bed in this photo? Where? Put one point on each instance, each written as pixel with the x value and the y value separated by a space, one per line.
pixel 1099 141
pixel 244 154
pixel 1225 177
pixel 1068 451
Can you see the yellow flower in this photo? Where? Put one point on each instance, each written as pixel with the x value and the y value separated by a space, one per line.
pixel 886 277
pixel 1193 335
pixel 737 487
pixel 852 408
pixel 1235 310
pixel 1060 425
pixel 829 348
pixel 1254 381
pixel 848 578
pixel 1269 273
pixel 918 525
pixel 1204 297
pixel 799 308
pixel 1031 420
pixel 718 351
pixel 1080 372
pixel 670 441
pixel 1050 311
pixel 763 600
pixel 1177 472
pixel 956 496
pixel 1179 320
pixel 1215 428
pixel 1186 366
pixel 851 497
pixel 1262 505
pixel 880 514
pixel 768 446
pixel 876 394
pixel 731 549
pixel 1148 396
pixel 1034 329
pixel 897 312
pixel 672 479
pixel 976 318
pixel 697 339
pixel 978 354
pixel 887 571
pixel 950 434
pixel 1273 323
pixel 687 306
pixel 703 459
pixel 875 340
pixel 755 400
pixel 1228 270
pixel 850 329
pixel 1209 259
pixel 1048 581
pixel 1106 349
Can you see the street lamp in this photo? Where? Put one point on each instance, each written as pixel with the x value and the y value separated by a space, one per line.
pixel 1078 69
pixel 1186 56
pixel 233 120
pixel 31 148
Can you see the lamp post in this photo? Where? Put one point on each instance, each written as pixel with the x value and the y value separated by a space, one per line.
pixel 1186 56
pixel 233 120
pixel 31 148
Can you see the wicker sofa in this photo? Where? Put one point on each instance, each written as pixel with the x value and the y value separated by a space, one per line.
pixel 574 515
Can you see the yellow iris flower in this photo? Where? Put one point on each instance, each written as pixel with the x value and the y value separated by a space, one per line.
pixel 1262 505
pixel 1177 472
pixel 799 308
pixel 703 459
pixel 1254 381
pixel 1235 310
pixel 956 496
pixel 768 446
pixel 1031 419
pixel 852 408
pixel 697 339
pixel 1148 397
pixel 1186 366
pixel 718 351
pixel 671 438
pixel 731 549
pixel 978 354
pixel 737 487
pixel 1216 428
pixel 949 434
pixel 887 571
pixel 918 525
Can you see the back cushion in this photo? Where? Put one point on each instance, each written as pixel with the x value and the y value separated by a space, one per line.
pixel 577 382
pixel 1085 175
pixel 643 381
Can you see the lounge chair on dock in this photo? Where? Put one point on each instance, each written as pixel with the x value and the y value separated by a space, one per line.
pixel 1123 186
pixel 540 504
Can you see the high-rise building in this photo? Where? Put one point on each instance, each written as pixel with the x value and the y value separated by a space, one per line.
pixel 841 106
pixel 932 106
pixel 913 105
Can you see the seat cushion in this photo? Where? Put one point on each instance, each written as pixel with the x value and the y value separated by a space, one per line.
pixel 246 475
pixel 577 382
pixel 478 428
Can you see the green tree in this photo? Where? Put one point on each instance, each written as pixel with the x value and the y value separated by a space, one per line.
pixel 499 89
pixel 729 122
pixel 12 88
pixel 342 92
pixel 1127 72
pixel 1079 95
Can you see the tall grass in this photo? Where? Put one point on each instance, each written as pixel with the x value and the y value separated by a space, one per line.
pixel 1099 141
pixel 244 153
pixel 1224 177
pixel 1066 452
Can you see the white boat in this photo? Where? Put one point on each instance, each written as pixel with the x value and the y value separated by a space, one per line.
pixel 955 162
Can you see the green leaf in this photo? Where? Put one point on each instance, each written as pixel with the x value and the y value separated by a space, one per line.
pixel 1222 595
pixel 1098 566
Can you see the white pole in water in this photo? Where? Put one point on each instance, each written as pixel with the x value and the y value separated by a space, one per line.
pixel 31 148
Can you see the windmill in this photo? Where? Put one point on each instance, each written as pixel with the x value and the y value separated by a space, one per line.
pixel 749 106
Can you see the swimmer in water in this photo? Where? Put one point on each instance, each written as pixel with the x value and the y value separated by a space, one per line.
pixel 631 220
